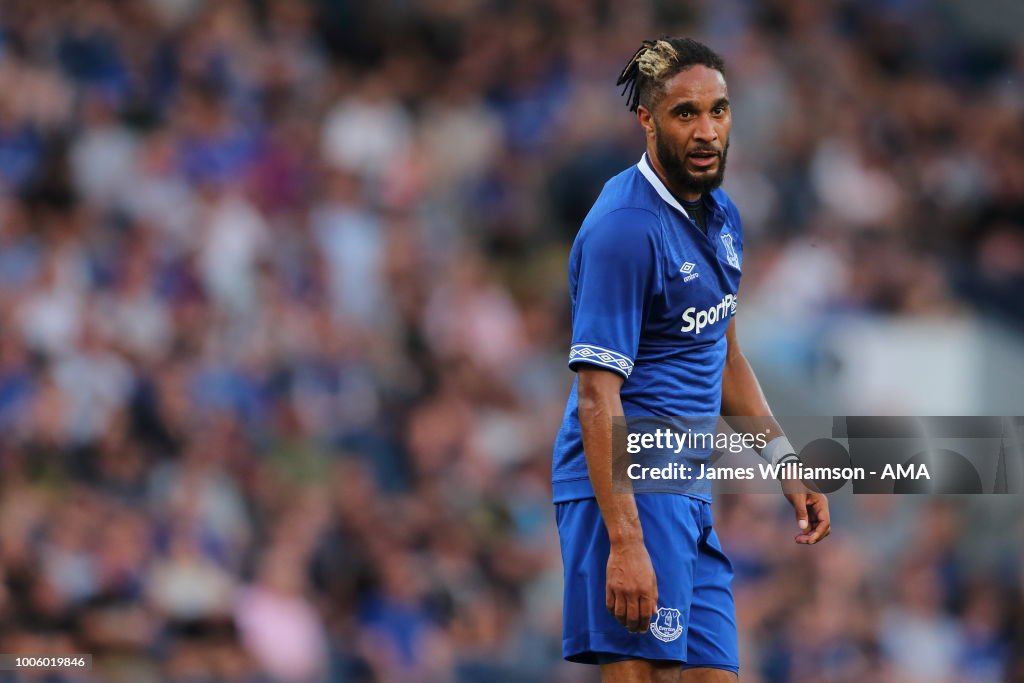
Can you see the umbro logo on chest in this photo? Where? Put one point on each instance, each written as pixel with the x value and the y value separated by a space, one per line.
pixel 689 271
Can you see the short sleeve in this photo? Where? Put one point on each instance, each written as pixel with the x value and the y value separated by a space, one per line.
pixel 611 279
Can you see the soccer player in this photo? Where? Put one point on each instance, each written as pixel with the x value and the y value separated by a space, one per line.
pixel 653 277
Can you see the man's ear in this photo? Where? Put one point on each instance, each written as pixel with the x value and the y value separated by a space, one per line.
pixel 646 119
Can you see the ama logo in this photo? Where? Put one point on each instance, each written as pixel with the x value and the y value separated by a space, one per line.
pixel 667 624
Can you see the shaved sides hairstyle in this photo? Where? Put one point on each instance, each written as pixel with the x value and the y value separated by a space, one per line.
pixel 657 61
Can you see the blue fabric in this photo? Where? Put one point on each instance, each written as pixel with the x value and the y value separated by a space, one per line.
pixel 696 616
pixel 652 296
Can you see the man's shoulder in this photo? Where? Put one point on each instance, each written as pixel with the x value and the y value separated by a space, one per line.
pixel 627 201
pixel 627 190
pixel 723 199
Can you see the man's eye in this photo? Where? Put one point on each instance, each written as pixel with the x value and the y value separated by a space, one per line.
pixel 685 114
pixel 718 111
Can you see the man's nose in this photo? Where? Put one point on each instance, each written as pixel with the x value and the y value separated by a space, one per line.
pixel 705 130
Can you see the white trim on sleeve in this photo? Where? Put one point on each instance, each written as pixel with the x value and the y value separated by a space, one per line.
pixel 598 355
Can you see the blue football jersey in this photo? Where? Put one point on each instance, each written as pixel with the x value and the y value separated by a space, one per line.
pixel 652 296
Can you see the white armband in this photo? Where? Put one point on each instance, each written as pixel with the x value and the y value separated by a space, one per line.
pixel 779 450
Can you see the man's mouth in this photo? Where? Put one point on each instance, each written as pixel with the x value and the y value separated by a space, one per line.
pixel 702 158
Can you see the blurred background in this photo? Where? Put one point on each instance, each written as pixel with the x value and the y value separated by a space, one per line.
pixel 283 326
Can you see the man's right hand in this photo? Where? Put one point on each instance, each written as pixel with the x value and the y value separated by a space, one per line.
pixel 631 592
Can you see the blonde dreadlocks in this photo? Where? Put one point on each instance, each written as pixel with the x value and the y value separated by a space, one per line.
pixel 659 60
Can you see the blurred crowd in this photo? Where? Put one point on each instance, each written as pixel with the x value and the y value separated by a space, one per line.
pixel 283 324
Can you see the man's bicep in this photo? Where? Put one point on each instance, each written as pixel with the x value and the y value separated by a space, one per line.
pixel 732 343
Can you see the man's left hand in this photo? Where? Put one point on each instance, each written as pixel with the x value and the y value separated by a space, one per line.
pixel 811 510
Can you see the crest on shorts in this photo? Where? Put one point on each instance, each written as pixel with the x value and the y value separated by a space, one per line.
pixel 667 625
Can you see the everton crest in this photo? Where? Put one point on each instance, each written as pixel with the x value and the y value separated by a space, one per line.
pixel 667 625
pixel 730 250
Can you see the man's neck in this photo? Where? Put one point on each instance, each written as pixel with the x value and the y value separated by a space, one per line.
pixel 681 196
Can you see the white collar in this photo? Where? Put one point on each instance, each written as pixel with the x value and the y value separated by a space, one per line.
pixel 659 187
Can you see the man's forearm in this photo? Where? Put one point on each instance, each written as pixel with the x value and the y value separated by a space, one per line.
pixel 596 410
pixel 745 408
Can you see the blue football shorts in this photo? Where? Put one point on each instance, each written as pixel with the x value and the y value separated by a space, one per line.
pixel 695 623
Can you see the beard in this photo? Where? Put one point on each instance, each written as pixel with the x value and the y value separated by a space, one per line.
pixel 681 178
